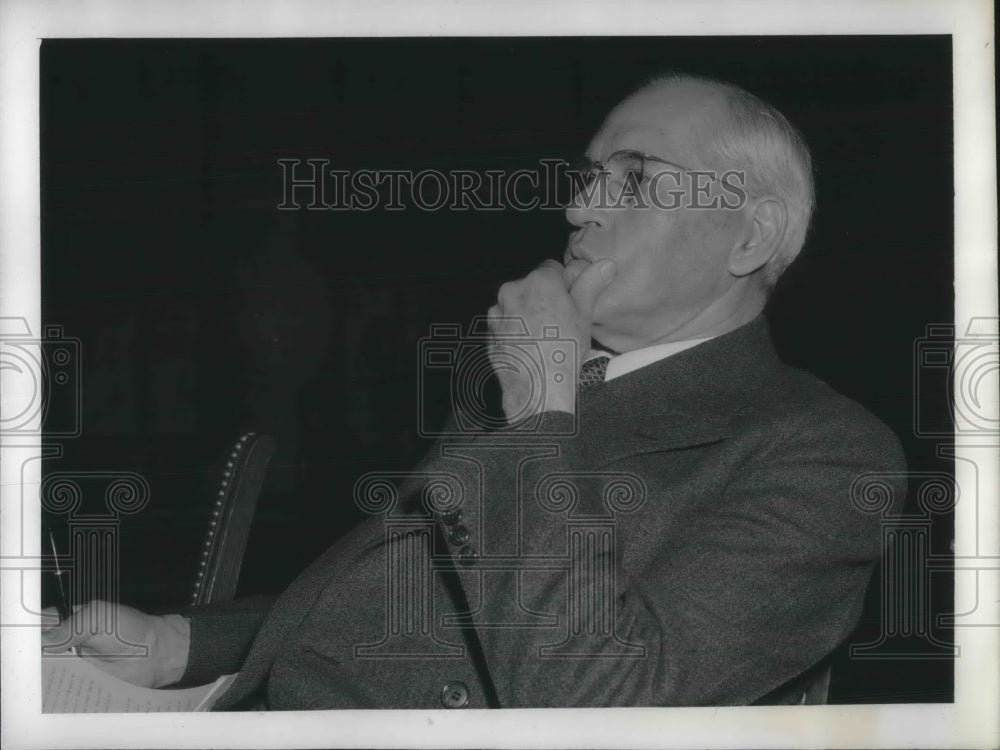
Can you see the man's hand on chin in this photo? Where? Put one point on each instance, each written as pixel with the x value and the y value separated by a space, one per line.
pixel 555 306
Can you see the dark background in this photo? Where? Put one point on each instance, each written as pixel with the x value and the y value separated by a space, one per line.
pixel 204 311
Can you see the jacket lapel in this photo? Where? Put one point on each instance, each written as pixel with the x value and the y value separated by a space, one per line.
pixel 683 401
pixel 621 437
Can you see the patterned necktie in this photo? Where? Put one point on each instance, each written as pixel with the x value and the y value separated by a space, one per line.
pixel 592 372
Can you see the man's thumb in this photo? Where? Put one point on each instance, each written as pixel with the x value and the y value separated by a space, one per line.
pixel 591 283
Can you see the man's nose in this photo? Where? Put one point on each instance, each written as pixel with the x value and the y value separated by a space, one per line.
pixel 581 211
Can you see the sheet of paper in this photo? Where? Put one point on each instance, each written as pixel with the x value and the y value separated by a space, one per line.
pixel 72 685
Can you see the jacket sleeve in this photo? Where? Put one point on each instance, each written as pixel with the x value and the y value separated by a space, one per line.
pixel 752 592
pixel 221 636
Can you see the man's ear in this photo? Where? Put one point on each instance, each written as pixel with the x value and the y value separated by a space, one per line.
pixel 764 235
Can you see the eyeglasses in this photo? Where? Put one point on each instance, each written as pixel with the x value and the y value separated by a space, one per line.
pixel 625 166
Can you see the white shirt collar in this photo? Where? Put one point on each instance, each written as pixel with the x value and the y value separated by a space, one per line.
pixel 622 364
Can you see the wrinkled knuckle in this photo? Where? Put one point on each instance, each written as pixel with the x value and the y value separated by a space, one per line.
pixel 537 275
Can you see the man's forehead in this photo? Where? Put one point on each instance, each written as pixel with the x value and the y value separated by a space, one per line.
pixel 667 120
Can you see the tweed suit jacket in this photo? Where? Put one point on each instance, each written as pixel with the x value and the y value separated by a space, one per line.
pixel 688 538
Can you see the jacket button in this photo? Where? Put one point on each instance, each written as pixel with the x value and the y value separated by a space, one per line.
pixel 452 516
pixel 455 695
pixel 458 535
pixel 467 555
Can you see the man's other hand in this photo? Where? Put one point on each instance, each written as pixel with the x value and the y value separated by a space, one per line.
pixel 549 298
pixel 146 650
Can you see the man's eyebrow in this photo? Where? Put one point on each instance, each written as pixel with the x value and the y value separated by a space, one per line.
pixel 622 139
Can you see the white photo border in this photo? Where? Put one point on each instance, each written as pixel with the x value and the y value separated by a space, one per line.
pixel 971 721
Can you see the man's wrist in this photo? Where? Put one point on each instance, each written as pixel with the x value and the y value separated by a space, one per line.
pixel 173 645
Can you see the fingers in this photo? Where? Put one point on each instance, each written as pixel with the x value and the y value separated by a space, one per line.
pixel 551 264
pixel 503 325
pixel 572 272
pixel 52 633
pixel 58 638
pixel 546 278
pixel 552 273
pixel 63 635
pixel 590 282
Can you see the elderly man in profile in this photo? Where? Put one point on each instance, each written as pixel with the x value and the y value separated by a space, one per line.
pixel 742 564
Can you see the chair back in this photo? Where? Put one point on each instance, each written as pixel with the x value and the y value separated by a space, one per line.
pixel 232 515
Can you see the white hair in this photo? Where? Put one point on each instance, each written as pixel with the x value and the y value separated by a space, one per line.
pixel 772 154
